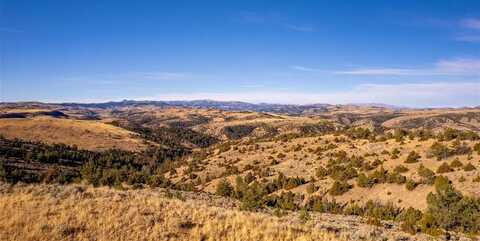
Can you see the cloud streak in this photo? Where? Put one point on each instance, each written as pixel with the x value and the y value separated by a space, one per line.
pixel 304 69
pixel 459 66
pixel 471 32
pixel 471 23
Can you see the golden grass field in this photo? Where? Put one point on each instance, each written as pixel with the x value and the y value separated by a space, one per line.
pixel 43 212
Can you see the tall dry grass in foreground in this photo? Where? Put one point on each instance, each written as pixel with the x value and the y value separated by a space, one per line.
pixel 42 212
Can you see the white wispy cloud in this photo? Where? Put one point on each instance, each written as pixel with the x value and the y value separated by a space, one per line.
pixel 459 66
pixel 435 94
pixel 470 30
pixel 471 23
pixel 382 71
pixel 303 68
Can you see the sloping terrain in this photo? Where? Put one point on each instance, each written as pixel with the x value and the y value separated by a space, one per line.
pixel 90 135
pixel 299 157
pixel 465 120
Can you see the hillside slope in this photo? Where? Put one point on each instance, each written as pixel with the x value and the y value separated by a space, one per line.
pixel 89 135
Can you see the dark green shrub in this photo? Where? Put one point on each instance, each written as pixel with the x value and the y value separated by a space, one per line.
pixel 448 209
pixel 304 215
pixel 456 163
pixel 111 177
pixel 339 188
pixel 449 134
pixel 283 182
pixel 427 175
pixel 91 173
pixel 253 197
pixel 444 168
pixel 158 181
pixel 238 131
pixel 224 188
pixel 318 204
pixel 379 176
pixel 439 151
pixel 429 225
pixel 400 169
pixel 381 211
pixel 410 184
pixel 134 178
pixel 241 187
pixel 459 148
pixel 469 167
pixel 359 133
pixel 409 218
pixel 353 209
pixel 364 181
pixel 396 178
pixel 285 201
pixel 394 153
pixel 412 157
pixel 342 173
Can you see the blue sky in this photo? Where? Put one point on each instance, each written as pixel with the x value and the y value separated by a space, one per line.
pixel 409 53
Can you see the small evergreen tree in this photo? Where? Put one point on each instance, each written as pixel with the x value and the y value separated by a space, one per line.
pixel 224 188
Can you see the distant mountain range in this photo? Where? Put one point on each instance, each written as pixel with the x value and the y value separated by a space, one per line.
pixel 228 105
pixel 290 109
